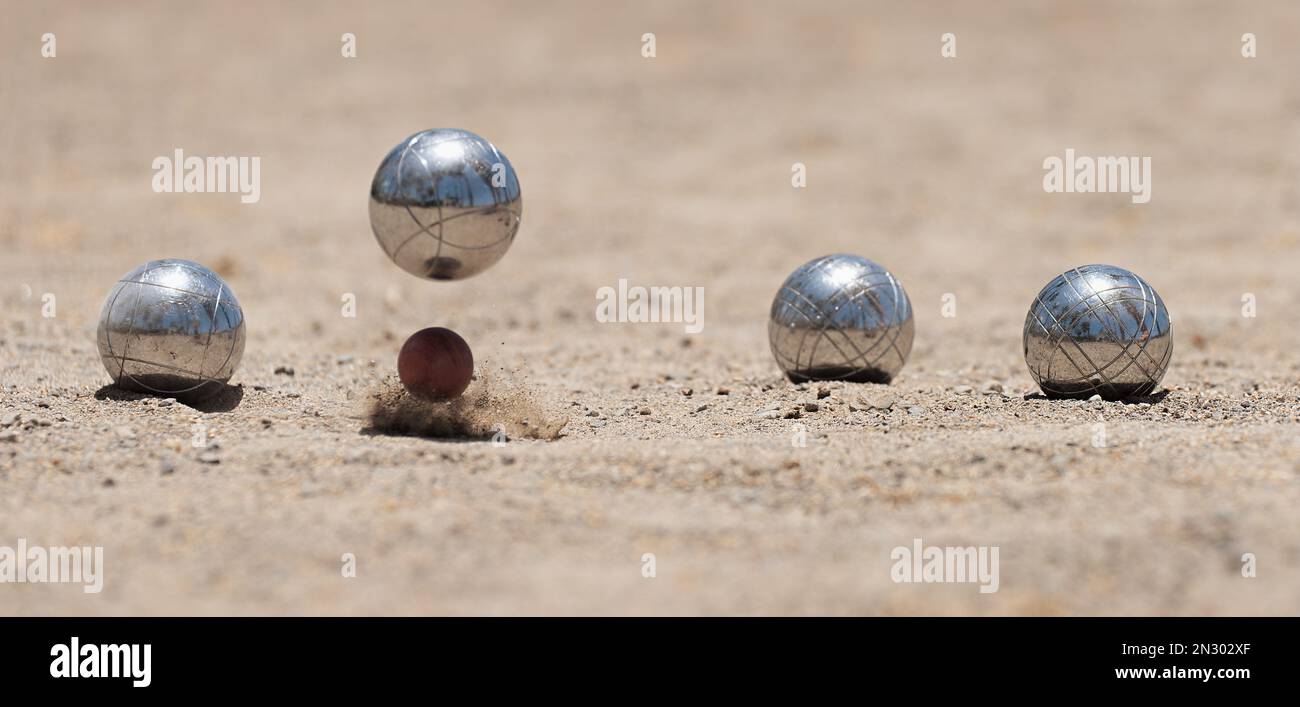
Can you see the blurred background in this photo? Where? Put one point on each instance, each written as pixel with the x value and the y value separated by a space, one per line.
pixel 676 168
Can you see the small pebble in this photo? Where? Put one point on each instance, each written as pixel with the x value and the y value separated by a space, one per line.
pixel 209 458
pixel 284 370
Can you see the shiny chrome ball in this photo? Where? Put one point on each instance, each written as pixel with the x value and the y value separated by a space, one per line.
pixel 171 327
pixel 445 204
pixel 1098 330
pixel 841 317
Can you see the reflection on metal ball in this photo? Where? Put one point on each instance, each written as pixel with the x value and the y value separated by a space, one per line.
pixel 445 204
pixel 171 327
pixel 841 317
pixel 1098 330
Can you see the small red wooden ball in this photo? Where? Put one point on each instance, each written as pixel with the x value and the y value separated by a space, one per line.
pixel 435 364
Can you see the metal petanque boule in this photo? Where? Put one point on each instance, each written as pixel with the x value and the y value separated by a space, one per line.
pixel 841 317
pixel 445 204
pixel 1098 330
pixel 173 328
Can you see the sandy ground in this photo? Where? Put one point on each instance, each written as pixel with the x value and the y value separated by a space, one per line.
pixel 666 171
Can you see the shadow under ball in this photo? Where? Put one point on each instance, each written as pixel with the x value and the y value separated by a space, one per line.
pixel 171 327
pixel 435 364
pixel 1098 330
pixel 841 317
pixel 445 204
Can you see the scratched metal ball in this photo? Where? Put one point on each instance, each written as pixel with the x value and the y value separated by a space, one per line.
pixel 841 317
pixel 1098 330
pixel 171 327
pixel 445 204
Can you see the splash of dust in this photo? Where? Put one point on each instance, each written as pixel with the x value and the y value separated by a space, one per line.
pixel 490 404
